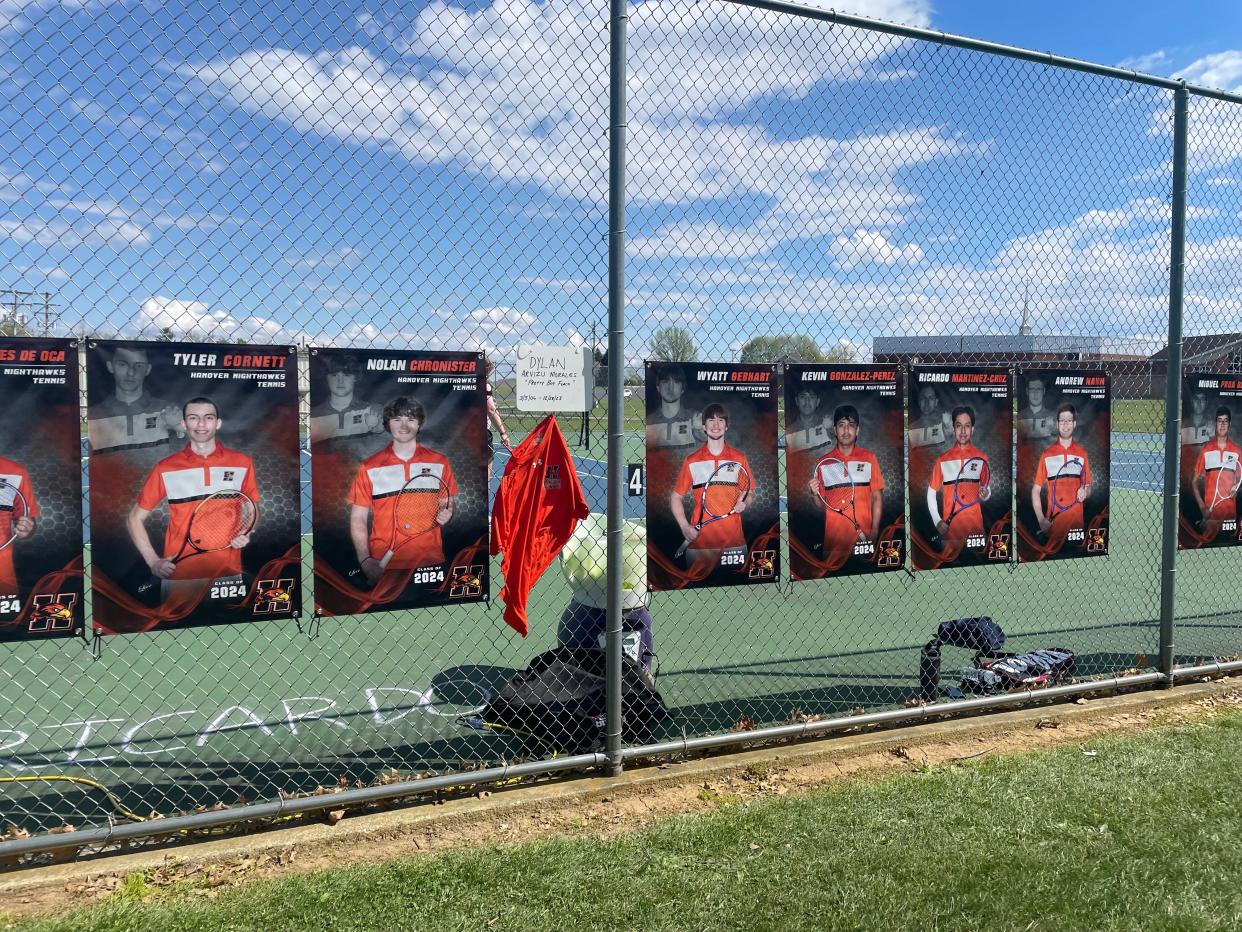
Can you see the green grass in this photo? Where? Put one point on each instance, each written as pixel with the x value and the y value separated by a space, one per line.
pixel 1138 415
pixel 1125 833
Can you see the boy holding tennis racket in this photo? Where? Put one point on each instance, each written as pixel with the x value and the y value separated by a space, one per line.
pixel 850 486
pixel 1216 477
pixel 1066 473
pixel 719 477
pixel 212 505
pixel 961 479
pixel 400 498
pixel 18 512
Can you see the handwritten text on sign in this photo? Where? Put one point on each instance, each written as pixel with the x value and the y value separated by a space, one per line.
pixel 554 378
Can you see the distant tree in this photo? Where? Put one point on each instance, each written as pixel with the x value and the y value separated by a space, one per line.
pixel 166 335
pixel 674 344
pixel 842 352
pixel 633 380
pixel 782 348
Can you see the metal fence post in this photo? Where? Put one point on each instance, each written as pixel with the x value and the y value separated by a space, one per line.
pixel 616 370
pixel 1173 386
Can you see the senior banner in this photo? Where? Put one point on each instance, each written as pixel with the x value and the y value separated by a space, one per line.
pixel 40 490
pixel 961 489
pixel 844 471
pixel 712 497
pixel 399 457
pixel 1063 463
pixel 194 484
pixel 1211 472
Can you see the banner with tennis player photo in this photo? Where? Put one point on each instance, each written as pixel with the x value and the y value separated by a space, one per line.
pixel 713 515
pixel 1211 475
pixel 1063 463
pixel 960 434
pixel 399 457
pixel 40 490
pixel 844 470
pixel 195 505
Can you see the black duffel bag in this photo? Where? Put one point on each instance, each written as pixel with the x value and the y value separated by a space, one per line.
pixel 560 700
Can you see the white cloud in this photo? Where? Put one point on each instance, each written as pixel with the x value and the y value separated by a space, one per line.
pixel 196 320
pixel 1149 63
pixel 91 231
pixel 866 247
pixel 1103 272
pixel 191 147
pixel 1221 70
pixel 518 91
pixel 63 215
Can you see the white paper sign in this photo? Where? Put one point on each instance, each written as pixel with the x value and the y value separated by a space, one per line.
pixel 554 378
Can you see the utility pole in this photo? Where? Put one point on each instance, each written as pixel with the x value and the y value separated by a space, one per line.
pixel 39 301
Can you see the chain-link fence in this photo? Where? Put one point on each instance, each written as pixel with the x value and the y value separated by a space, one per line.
pixel 798 187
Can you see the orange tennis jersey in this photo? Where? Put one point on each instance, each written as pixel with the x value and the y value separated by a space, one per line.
pixel 696 470
pixel 378 482
pixel 1211 464
pixel 17 477
pixel 185 478
pixel 1068 462
pixel 856 476
pixel 950 472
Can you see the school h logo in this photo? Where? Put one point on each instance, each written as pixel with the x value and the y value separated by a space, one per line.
pixel 890 553
pixel 762 564
pixel 53 612
pixel 998 547
pixel 466 581
pixel 273 596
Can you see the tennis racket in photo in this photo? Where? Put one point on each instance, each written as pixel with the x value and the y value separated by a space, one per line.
pixel 972 485
pixel 1064 485
pixel 416 510
pixel 834 486
pixel 1228 481
pixel 216 521
pixel 12 509
pixel 725 490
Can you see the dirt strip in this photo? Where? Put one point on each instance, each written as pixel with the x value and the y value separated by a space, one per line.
pixel 598 806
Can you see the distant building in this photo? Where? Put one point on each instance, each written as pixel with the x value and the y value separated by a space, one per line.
pixel 1213 352
pixel 1127 359
pixel 1138 365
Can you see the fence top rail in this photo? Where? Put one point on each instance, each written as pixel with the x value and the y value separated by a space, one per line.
pixel 794 8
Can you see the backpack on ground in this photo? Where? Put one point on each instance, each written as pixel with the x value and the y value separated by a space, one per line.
pixel 560 701
pixel 993 670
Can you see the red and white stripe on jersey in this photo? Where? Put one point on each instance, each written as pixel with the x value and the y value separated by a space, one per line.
pixel 377 482
pixel 16 476
pixel 954 469
pixel 422 476
pixel 184 479
pixel 1069 464
pixel 696 470
pixel 1219 469
pixel 196 483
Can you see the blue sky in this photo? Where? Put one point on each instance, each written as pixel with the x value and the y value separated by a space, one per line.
pixel 433 175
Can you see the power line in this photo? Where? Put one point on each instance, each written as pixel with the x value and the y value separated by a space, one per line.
pixel 14 301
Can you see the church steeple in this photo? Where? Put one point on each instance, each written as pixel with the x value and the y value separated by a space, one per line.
pixel 1025 329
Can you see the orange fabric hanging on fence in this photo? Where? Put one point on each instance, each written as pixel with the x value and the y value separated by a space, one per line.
pixel 539 503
